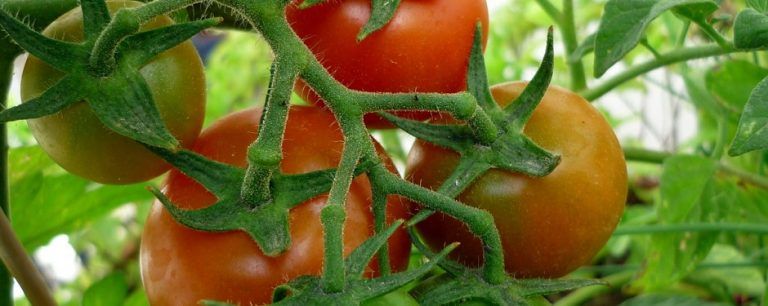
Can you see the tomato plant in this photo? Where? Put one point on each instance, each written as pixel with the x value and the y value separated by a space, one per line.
pixel 425 47
pixel 81 144
pixel 551 225
pixel 230 266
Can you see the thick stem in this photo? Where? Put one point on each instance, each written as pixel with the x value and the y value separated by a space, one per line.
pixel 6 73
pixel 333 214
pixel 265 154
pixel 571 42
pixel 21 266
pixel 680 55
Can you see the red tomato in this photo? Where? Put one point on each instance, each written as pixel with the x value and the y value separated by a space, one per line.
pixel 549 226
pixel 181 266
pixel 425 47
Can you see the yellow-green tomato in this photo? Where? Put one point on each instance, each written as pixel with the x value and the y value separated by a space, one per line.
pixel 81 144
pixel 551 225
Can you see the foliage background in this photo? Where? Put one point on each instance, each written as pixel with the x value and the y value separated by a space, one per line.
pixel 85 236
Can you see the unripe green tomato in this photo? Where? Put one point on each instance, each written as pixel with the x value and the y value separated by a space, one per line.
pixel 77 140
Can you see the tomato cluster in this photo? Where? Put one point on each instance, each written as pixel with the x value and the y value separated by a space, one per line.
pixel 549 226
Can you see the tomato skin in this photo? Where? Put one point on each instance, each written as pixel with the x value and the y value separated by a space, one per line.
pixel 81 144
pixel 549 226
pixel 425 47
pixel 181 266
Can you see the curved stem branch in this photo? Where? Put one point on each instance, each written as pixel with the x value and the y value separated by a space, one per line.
pixel 676 56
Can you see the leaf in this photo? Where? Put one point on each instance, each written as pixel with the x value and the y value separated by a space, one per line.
pixel 750 30
pixel 668 300
pixel 624 22
pixel 382 12
pixel 752 133
pixel 689 194
pixel 734 80
pixel 747 280
pixel 111 290
pixel 759 5
pixel 46 201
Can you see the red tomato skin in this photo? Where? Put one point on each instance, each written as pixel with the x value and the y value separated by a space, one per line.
pixel 181 266
pixel 549 226
pixel 424 48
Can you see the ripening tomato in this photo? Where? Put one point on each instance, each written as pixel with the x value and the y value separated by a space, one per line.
pixel 549 226
pixel 181 266
pixel 81 144
pixel 424 48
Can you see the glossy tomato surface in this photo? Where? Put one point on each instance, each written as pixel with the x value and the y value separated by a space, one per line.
pixel 425 47
pixel 81 144
pixel 181 266
pixel 551 225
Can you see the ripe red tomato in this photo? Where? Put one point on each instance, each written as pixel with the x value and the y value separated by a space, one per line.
pixel 549 226
pixel 181 266
pixel 81 144
pixel 425 47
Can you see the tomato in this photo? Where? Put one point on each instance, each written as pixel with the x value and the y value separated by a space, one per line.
pixel 549 226
pixel 181 266
pixel 81 144
pixel 425 47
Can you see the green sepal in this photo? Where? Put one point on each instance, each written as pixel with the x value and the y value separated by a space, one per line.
pixel 516 152
pixel 141 48
pixel 477 78
pixel 446 264
pixel 95 17
pixel 455 137
pixel 216 177
pixel 382 12
pixel 61 55
pixel 307 290
pixel 309 3
pixel 124 103
pixel 64 93
pixel 362 255
pixel 519 111
pixel 470 286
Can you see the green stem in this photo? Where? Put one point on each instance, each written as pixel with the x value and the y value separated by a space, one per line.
pixel 680 55
pixel 552 11
pixel 656 157
pixel 571 42
pixel 480 222
pixel 757 229
pixel 6 73
pixel 156 8
pixel 712 33
pixel 265 154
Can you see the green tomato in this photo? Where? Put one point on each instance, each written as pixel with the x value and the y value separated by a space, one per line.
pixel 77 140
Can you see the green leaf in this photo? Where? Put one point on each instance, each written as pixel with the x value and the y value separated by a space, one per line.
pixel 734 80
pixel 382 12
pixel 137 298
pixel 46 201
pixel 688 194
pixel 111 290
pixel 759 5
pixel 668 300
pixel 752 133
pixel 750 30
pixel 624 22
pixel 747 280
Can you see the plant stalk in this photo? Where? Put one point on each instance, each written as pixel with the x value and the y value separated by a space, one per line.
pixel 6 74
pixel 571 42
